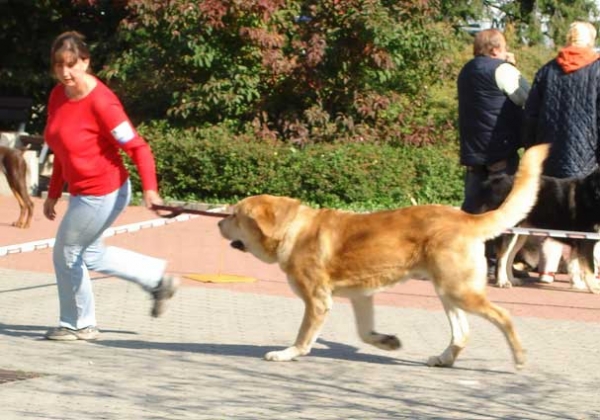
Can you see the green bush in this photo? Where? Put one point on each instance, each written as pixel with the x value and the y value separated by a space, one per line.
pixel 302 72
pixel 213 165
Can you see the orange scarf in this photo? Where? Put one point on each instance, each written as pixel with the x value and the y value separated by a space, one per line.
pixel 573 58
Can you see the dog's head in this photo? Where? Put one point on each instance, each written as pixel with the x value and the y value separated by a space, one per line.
pixel 258 224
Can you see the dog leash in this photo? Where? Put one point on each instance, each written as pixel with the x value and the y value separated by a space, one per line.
pixel 175 211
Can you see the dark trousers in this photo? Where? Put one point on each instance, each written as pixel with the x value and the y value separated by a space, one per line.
pixel 475 176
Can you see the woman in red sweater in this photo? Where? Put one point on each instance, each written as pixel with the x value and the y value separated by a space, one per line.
pixel 86 128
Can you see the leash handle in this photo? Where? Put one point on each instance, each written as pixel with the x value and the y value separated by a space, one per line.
pixel 175 211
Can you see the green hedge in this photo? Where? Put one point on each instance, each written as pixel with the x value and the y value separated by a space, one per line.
pixel 212 165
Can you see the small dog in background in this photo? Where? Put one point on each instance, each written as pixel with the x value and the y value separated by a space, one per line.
pixel 15 168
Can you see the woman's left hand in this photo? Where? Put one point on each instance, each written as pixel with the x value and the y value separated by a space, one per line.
pixel 152 198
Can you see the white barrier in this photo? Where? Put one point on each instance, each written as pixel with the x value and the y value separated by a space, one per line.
pixel 553 233
pixel 134 227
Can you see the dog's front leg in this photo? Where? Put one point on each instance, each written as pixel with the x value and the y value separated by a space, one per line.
pixel 316 308
pixel 460 335
pixel 365 323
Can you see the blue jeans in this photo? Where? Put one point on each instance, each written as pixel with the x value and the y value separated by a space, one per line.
pixel 79 248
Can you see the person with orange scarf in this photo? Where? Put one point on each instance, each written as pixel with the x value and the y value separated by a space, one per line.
pixel 563 109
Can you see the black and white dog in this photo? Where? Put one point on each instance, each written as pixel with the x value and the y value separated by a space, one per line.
pixel 571 204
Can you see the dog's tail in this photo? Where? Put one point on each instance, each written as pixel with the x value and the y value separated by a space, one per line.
pixel 520 200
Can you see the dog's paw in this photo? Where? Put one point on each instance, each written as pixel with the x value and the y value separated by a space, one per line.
pixel 21 225
pixel 591 284
pixel 520 361
pixel 515 282
pixel 595 290
pixel 447 358
pixel 386 342
pixel 283 355
pixel 512 282
pixel 594 286
pixel 437 361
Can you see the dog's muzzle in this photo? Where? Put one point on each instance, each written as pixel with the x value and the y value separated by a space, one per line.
pixel 237 244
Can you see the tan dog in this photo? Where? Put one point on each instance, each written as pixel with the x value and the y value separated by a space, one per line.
pixel 329 253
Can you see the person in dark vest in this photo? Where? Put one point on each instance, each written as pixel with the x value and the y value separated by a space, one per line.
pixel 563 109
pixel 491 95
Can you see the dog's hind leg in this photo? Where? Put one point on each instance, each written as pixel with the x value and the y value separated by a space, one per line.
pixel 16 175
pixel 316 307
pixel 510 245
pixel 25 210
pixel 365 323
pixel 585 256
pixel 459 327
pixel 476 303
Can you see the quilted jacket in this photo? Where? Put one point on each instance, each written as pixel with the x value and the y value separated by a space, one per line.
pixel 564 109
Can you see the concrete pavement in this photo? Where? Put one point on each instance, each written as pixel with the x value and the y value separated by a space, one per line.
pixel 203 359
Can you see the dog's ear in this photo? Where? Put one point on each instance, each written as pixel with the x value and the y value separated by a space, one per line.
pixel 272 214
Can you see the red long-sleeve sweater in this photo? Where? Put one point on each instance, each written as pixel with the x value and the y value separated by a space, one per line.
pixel 85 136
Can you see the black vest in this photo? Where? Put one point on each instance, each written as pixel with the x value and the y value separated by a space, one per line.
pixel 489 122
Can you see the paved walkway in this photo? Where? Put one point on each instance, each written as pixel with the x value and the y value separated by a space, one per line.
pixel 202 360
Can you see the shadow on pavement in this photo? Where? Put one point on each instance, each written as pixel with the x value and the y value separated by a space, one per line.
pixel 37 331
pixel 335 351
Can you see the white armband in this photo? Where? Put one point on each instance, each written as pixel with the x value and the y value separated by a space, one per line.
pixel 123 132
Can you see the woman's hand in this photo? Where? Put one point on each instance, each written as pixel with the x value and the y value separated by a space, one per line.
pixel 49 208
pixel 152 198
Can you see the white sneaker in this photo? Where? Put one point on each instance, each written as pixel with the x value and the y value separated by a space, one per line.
pixel 67 334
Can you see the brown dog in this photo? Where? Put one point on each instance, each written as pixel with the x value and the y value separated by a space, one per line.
pixel 329 253
pixel 15 169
